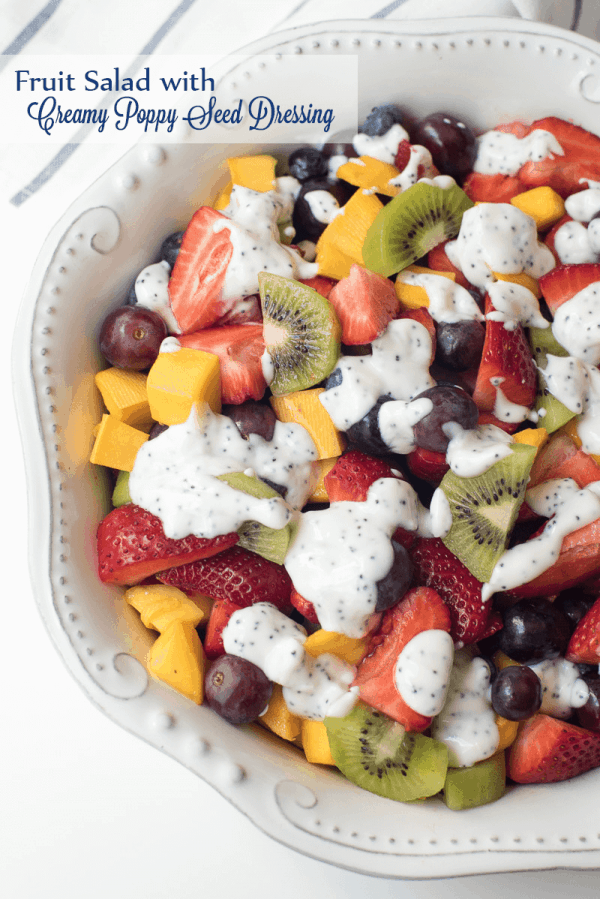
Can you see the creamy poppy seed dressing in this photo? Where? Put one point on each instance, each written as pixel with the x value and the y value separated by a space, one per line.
pixel 396 421
pixel 498 237
pixel 573 244
pixel 577 385
pixel 398 367
pixel 313 688
pixel 572 509
pixel 422 671
pixel 472 452
pixel 514 304
pixel 500 153
pixel 467 722
pixel 251 220
pixel 384 147
pixel 576 324
pixel 152 291
pixel 562 688
pixel 323 205
pixel 448 301
pixel 342 584
pixel 506 410
pixel 583 205
pixel 175 475
pixel 419 166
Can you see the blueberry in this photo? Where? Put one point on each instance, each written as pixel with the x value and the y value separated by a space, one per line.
pixel 534 630
pixel 169 250
pixel 394 585
pixel 307 163
pixel 365 434
pixel 381 119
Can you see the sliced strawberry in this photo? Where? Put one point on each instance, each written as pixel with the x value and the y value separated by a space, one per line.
pixel 519 129
pixel 578 562
pixel 564 281
pixel 353 474
pixel 304 606
pixel 559 457
pixel 220 614
pixel 132 546
pixel 238 575
pixel 423 316
pixel 421 609
pixel 365 304
pixel 492 188
pixel 320 283
pixel 566 173
pixel 584 645
pixel 404 538
pixel 438 568
pixel 506 356
pixel 551 236
pixel 402 155
pixel 239 348
pixel 438 261
pixel 428 465
pixel 548 750
pixel 198 276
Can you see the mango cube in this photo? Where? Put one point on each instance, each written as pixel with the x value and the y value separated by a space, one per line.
pixel 177 658
pixel 521 278
pixel 349 649
pixel 278 717
pixel 160 605
pixel 531 437
pixel 348 230
pixel 319 492
pixel 543 204
pixel 413 296
pixel 179 380
pixel 370 173
pixel 315 743
pixel 224 196
pixel 305 408
pixel 116 444
pixel 125 397
pixel 254 172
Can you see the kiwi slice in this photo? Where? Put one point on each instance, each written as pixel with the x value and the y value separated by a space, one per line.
pixel 484 510
pixel 377 754
pixel 302 333
pixel 555 414
pixel 480 784
pixel 121 492
pixel 411 225
pixel 270 543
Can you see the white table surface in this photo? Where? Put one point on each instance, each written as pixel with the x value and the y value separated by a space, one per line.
pixel 89 811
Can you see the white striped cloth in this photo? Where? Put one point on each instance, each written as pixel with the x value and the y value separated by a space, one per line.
pixel 38 182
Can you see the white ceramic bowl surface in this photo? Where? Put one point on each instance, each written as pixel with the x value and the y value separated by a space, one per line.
pixel 488 70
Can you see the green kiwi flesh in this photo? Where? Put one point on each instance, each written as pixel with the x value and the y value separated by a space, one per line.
pixel 376 753
pixel 555 414
pixel 302 333
pixel 484 509
pixel 412 224
pixel 121 492
pixel 480 784
pixel 270 543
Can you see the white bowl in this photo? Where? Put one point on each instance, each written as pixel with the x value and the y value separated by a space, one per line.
pixel 487 70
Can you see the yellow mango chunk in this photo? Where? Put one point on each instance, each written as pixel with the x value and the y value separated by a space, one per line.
pixel 304 408
pixel 507 730
pixel 315 743
pixel 371 174
pixel 205 604
pixel 254 172
pixel 543 204
pixel 279 719
pixel 501 660
pixel 160 605
pixel 521 278
pixel 178 380
pixel 531 437
pixel 348 230
pixel 349 649
pixel 125 397
pixel 116 444
pixel 177 658
pixel 413 295
pixel 332 262
pixel 225 195
pixel 319 493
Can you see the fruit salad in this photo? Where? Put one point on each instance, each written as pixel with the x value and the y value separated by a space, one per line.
pixel 353 424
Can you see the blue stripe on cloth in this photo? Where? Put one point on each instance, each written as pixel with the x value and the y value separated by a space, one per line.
pixel 30 30
pixel 387 9
pixel 67 150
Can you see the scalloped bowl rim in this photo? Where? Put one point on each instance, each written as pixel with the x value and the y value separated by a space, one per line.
pixel 310 809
